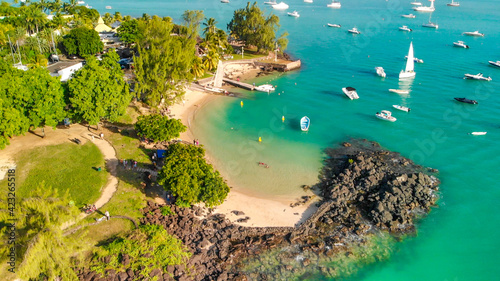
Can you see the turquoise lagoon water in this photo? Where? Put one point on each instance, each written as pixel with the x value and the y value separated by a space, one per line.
pixel 459 239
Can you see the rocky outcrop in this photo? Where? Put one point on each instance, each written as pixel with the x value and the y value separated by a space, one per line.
pixel 363 187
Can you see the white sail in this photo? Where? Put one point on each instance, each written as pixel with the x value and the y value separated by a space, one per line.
pixel 410 61
pixel 219 75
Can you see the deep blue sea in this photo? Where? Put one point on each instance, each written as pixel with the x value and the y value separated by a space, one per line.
pixel 459 240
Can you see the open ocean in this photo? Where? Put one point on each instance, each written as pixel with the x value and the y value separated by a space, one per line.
pixel 459 240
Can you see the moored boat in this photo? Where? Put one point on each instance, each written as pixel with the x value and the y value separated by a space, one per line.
pixel 416 60
pixel 224 1
pixel 409 16
pixel 270 3
pixel 466 100
pixel 265 88
pixel 461 44
pixel 425 8
pixel 495 63
pixel 416 3
pixel 405 28
pixel 334 4
pixel 334 25
pixel 478 76
pixel 280 6
pixel 399 91
pixel 354 30
pixel 109 7
pixel 385 115
pixel 453 4
pixel 304 123
pixel 410 65
pixel 308 1
pixel 294 14
pixel 402 108
pixel 474 33
pixel 350 92
pixel 478 133
pixel 380 71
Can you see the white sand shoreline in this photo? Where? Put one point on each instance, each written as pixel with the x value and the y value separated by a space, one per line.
pixel 263 212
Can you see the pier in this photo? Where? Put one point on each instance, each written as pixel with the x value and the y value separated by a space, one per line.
pixel 243 85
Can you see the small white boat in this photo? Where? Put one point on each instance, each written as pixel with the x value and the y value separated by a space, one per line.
pixel 380 71
pixel 461 44
pixel 416 60
pixel 495 63
pixel 478 76
pixel 224 1
pixel 294 14
pixel 308 1
pixel 425 8
pixel 351 93
pixel 453 4
pixel 214 89
pixel 402 108
pixel 385 115
pixel 405 28
pixel 399 91
pixel 474 33
pixel 334 4
pixel 270 3
pixel 80 2
pixel 354 30
pixel 265 88
pixel 334 25
pixel 415 3
pixel 409 16
pixel 280 6
pixel 478 133
pixel 109 7
pixel 408 72
pixel 304 123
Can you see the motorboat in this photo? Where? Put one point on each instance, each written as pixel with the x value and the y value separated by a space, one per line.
pixel 280 6
pixel 402 108
pixel 405 28
pixel 224 1
pixel 214 89
pixel 294 14
pixel 270 3
pixel 474 33
pixel 399 91
pixel 354 30
pixel 265 88
pixel 334 4
pixel 308 1
pixel 80 2
pixel 466 100
pixel 461 44
pixel 380 71
pixel 478 76
pixel 409 16
pixel 416 3
pixel 495 63
pixel 351 93
pixel 453 4
pixel 478 133
pixel 109 7
pixel 409 68
pixel 425 8
pixel 385 115
pixel 334 25
pixel 416 60
pixel 304 123
pixel 431 25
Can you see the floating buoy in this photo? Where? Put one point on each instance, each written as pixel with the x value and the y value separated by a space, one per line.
pixel 283 118
pixel 260 139
pixel 241 103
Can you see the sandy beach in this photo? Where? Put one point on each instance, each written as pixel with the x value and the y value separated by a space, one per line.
pixel 262 212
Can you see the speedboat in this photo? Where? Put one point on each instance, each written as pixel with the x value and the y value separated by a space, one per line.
pixel 402 108
pixel 265 88
pixel 466 100
pixel 409 16
pixel 405 28
pixel 453 4
pixel 224 1
pixel 473 33
pixel 354 30
pixel 280 6
pixel 304 123
pixel 399 91
pixel 495 63
pixel 294 14
pixel 415 3
pixel 478 76
pixel 351 93
pixel 333 25
pixel 334 4
pixel 385 115
pixel 478 133
pixel 425 8
pixel 461 44
pixel 308 1
pixel 380 71
pixel 417 60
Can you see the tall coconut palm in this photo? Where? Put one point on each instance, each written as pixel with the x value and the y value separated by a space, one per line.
pixel 210 27
pixel 197 67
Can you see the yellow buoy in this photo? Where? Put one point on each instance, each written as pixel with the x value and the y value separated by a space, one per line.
pixel 283 118
pixel 241 103
pixel 260 139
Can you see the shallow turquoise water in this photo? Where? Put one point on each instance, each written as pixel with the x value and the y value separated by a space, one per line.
pixel 459 239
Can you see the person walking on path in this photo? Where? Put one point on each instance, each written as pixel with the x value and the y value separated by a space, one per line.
pixel 102 136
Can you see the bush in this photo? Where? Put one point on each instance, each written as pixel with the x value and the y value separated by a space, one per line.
pixel 158 128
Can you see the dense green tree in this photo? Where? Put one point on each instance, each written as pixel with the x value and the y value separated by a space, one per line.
pixel 252 27
pixel 43 249
pixel 158 128
pixel 164 62
pixel 98 90
pixel 117 16
pixel 83 16
pixel 83 41
pixel 191 21
pixel 108 19
pixel 190 178
pixel 129 31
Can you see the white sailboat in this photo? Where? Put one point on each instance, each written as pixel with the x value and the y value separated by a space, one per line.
pixel 410 65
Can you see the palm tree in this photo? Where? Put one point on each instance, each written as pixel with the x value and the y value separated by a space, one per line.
pixel 34 19
pixel 209 26
pixel 197 68
pixel 211 60
pixel 117 16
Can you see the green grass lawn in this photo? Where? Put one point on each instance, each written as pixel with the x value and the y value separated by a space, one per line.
pixel 130 116
pixel 65 166
pixel 127 144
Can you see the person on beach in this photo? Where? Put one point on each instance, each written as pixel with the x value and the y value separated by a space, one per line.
pixel 102 136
